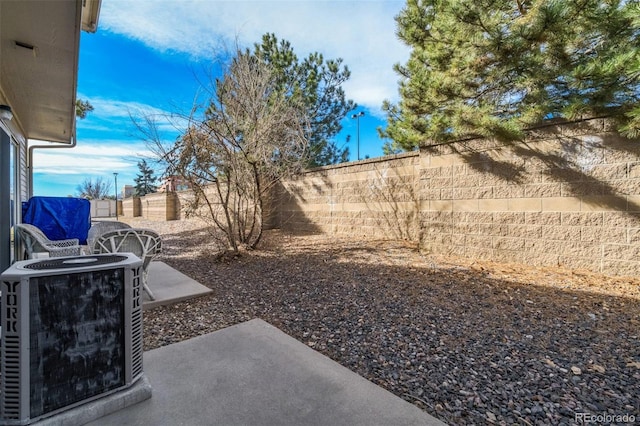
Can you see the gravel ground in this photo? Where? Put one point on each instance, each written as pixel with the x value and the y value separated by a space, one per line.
pixel 469 342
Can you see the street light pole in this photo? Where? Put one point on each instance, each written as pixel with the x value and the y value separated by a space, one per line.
pixel 357 117
pixel 115 176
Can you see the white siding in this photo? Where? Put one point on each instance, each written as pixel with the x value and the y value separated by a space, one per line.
pixel 23 180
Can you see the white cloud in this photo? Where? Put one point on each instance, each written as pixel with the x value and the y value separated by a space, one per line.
pixel 96 155
pixel 117 109
pixel 90 158
pixel 360 32
pixel 60 171
pixel 109 111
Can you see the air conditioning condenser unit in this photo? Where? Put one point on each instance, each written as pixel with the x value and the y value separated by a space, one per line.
pixel 71 333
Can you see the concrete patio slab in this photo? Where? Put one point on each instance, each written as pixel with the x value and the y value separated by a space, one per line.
pixel 101 407
pixel 254 374
pixel 171 286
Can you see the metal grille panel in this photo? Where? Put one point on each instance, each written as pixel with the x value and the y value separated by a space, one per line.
pixel 136 325
pixel 11 378
pixel 75 262
pixel 10 388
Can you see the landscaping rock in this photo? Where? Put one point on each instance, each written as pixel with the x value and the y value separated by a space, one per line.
pixel 470 342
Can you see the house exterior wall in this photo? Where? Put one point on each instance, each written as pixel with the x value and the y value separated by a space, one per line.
pixel 22 178
pixel 40 97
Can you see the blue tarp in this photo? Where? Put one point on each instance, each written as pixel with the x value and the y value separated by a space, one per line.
pixel 59 218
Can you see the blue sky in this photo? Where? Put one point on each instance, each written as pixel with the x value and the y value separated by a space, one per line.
pixel 149 57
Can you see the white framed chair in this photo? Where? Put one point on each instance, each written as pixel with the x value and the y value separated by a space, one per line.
pixel 35 241
pixel 144 243
pixel 99 228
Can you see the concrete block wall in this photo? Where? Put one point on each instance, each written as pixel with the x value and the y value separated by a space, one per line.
pixel 157 206
pixel 186 208
pixel 131 207
pixel 160 206
pixel 566 196
pixel 369 198
pixel 184 198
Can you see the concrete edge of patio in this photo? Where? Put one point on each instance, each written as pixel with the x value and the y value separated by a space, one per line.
pixel 253 373
pixel 171 286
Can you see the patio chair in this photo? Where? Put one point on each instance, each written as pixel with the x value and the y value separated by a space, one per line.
pixel 35 241
pixel 99 228
pixel 144 243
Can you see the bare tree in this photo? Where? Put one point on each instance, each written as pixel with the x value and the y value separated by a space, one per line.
pixel 252 135
pixel 94 190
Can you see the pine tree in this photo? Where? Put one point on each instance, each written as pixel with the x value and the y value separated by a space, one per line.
pixel 317 82
pixel 391 148
pixel 83 108
pixel 145 180
pixel 494 68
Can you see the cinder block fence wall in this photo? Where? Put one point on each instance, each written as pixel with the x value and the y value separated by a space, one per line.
pixel 157 206
pixel 568 195
pixel 371 198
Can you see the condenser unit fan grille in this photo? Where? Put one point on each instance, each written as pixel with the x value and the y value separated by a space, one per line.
pixel 62 263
